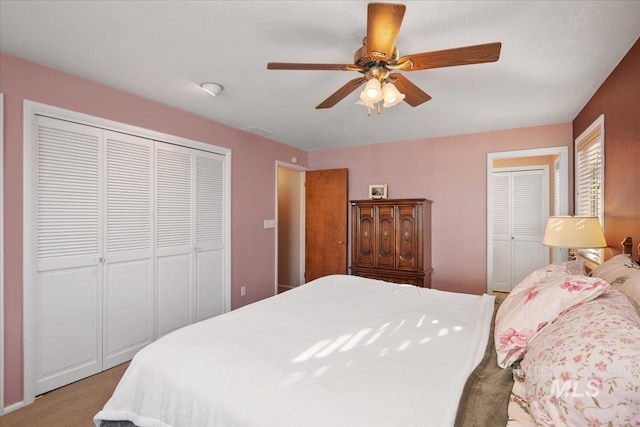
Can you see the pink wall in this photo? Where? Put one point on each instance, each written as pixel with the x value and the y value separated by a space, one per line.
pixel 253 182
pixel 451 171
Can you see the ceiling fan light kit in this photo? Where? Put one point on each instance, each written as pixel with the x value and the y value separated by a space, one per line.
pixel 391 95
pixel 372 92
pixel 379 55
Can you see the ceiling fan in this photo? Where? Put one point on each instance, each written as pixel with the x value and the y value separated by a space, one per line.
pixel 378 58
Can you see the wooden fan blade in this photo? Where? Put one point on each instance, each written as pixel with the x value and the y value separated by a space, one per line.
pixel 478 54
pixel 383 25
pixel 413 95
pixel 338 95
pixel 323 67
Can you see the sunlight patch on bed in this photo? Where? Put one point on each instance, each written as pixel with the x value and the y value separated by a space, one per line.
pixel 311 351
pixel 355 340
pixel 399 326
pixel 405 345
pixel 321 370
pixel 334 346
pixel 379 332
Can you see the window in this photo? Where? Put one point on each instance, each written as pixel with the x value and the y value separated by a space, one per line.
pixel 589 169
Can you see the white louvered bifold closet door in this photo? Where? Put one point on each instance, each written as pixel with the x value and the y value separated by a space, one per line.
pixel 190 236
pixel 502 246
pixel 520 211
pixel 128 244
pixel 174 213
pixel 209 232
pixel 128 267
pixel 68 291
pixel 530 213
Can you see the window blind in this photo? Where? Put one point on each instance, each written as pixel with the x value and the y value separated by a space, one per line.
pixel 589 183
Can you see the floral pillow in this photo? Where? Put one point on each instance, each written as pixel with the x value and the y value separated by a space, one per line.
pixel 532 306
pixel 584 369
pixel 623 275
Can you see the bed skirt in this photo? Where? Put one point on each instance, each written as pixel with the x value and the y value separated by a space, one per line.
pixel 485 397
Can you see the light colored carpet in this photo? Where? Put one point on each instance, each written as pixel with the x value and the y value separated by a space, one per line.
pixel 71 406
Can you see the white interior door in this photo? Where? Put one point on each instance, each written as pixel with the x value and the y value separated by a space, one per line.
pixel 530 213
pixel 125 239
pixel 502 247
pixel 520 210
pixel 173 237
pixel 68 288
pixel 209 234
pixel 128 268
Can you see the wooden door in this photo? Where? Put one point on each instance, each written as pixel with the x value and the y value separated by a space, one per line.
pixel 385 237
pixel 363 220
pixel 409 237
pixel 326 223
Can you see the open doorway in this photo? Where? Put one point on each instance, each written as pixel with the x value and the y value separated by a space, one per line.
pixel 290 226
pixel 557 202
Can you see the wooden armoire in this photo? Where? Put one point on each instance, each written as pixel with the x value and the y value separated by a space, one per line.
pixel 391 240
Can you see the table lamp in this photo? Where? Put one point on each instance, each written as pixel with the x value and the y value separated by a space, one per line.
pixel 574 232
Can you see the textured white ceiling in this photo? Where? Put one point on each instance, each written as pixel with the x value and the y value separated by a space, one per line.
pixel 555 54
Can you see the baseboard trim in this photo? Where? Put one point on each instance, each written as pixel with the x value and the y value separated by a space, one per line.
pixel 13 407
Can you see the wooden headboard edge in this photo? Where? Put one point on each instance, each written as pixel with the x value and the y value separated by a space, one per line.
pixel 627 245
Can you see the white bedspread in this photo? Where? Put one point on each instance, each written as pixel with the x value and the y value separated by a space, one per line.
pixel 339 351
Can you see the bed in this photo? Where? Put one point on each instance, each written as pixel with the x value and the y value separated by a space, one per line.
pixel 351 351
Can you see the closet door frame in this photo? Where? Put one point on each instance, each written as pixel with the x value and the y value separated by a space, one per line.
pixel 2 253
pixel 32 109
pixel 512 171
pixel 563 159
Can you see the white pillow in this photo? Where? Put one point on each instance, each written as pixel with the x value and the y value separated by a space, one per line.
pixel 623 275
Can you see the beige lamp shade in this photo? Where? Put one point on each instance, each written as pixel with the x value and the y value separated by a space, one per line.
pixel 576 232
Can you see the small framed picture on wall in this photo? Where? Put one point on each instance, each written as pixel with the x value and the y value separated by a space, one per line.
pixel 378 191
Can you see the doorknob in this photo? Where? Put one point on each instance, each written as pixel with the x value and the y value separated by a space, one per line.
pixel 341 242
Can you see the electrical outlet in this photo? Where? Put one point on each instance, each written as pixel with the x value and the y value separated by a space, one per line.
pixel 243 291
